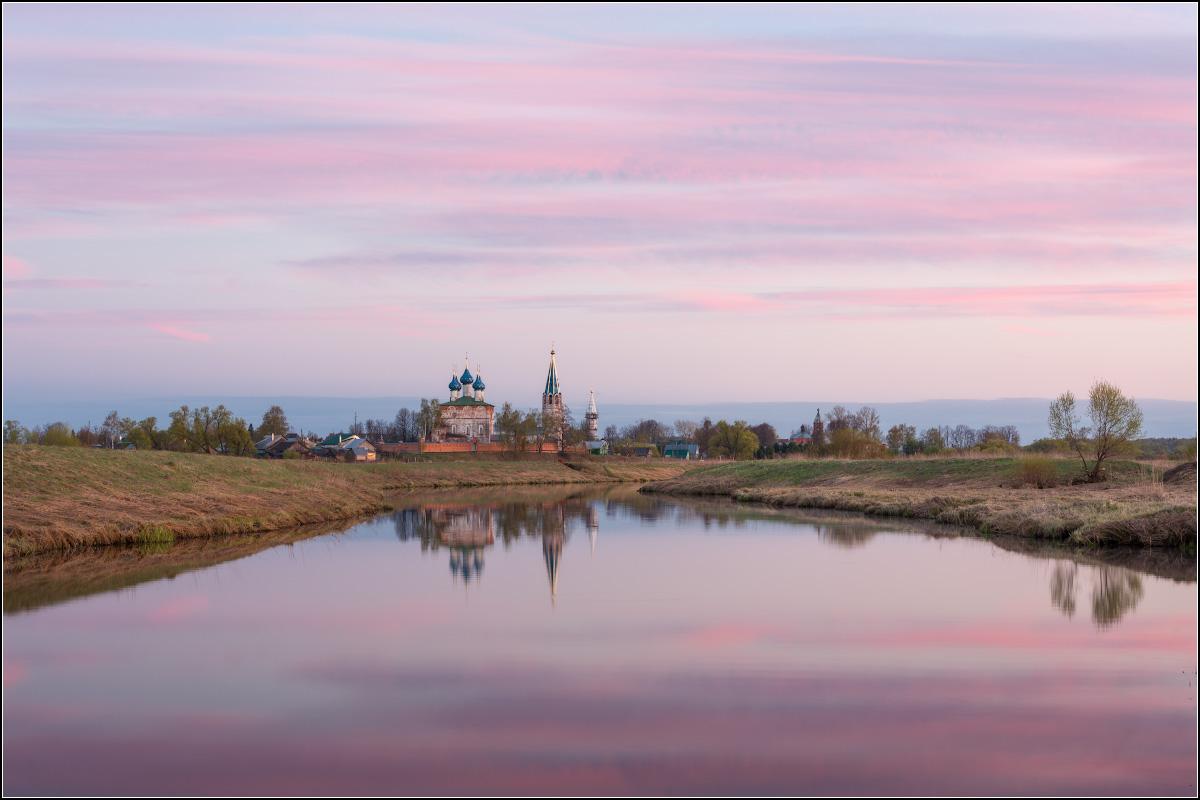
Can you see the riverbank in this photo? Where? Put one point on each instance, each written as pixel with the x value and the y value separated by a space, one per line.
pixel 59 498
pixel 1139 505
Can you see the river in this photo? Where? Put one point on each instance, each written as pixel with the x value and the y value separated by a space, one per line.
pixel 599 641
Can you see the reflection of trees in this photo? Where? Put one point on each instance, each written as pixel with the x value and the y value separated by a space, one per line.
pixel 1062 588
pixel 1115 591
pixel 847 536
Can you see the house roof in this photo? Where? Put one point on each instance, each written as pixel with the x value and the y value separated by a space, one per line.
pixel 283 445
pixel 267 441
pixel 336 439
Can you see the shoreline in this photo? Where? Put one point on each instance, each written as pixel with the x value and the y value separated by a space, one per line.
pixel 983 495
pixel 62 499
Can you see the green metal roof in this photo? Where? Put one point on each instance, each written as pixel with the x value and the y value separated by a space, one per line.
pixel 466 401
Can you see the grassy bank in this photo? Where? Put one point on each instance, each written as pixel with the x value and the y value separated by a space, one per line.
pixel 58 498
pixel 1138 505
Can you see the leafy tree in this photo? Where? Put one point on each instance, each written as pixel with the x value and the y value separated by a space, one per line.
pixel 898 436
pixel 14 433
pixel 232 435
pixel 57 434
pixel 149 426
pixel 179 433
pixel 703 434
pixel 735 441
pixel 273 421
pixel 648 431
pixel 851 443
pixel 767 436
pixel 1116 421
pixel 140 439
pixel 932 441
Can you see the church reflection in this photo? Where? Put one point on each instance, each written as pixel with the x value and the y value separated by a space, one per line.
pixel 467 531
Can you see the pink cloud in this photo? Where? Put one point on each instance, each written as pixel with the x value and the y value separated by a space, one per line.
pixel 666 173
pixel 180 333
pixel 907 302
pixel 15 269
pixel 66 283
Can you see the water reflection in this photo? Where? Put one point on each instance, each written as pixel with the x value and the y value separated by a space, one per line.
pixel 468 529
pixel 847 535
pixel 1115 591
pixel 706 648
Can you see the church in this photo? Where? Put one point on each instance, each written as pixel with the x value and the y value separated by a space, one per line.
pixel 467 416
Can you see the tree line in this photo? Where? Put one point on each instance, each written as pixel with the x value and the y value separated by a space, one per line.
pixel 1115 419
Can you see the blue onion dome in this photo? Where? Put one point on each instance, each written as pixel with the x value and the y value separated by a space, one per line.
pixel 454 384
pixel 467 378
pixel 478 385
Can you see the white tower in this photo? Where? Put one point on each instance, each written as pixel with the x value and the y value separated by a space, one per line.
pixel 592 417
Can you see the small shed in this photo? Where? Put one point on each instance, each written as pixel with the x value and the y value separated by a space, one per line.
pixel 687 451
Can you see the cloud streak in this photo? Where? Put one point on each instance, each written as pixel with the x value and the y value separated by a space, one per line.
pixel 391 168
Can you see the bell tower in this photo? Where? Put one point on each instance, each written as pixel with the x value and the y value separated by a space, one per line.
pixel 552 405
pixel 592 417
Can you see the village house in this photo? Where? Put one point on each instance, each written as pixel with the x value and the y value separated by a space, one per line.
pixel 276 446
pixel 345 447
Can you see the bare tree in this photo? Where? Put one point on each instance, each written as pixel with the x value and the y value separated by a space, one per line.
pixel 1116 420
pixel 110 432
pixel 685 429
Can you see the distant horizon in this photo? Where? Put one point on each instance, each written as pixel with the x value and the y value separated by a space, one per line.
pixel 536 400
pixel 326 414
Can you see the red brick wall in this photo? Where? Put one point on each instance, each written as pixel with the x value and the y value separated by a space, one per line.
pixel 464 447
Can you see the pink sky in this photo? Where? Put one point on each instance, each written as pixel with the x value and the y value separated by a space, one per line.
pixel 734 202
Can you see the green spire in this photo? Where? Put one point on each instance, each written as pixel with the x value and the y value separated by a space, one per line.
pixel 551 378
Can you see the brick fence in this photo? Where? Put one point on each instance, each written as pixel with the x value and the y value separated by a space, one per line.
pixel 412 448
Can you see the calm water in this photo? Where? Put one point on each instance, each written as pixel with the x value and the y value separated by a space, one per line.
pixel 597 644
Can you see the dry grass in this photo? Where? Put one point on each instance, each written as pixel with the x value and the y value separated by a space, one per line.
pixel 992 496
pixel 58 498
